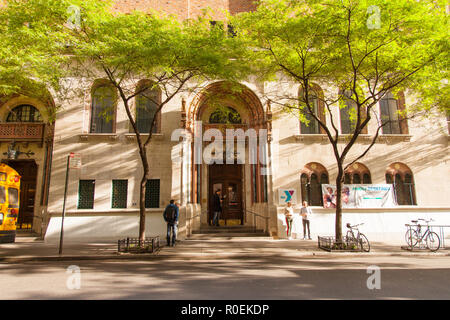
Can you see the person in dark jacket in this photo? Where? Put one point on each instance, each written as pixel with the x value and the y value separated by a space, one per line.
pixel 217 207
pixel 171 214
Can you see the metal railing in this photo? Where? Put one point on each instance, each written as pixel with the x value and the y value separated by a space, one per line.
pixel 22 131
pixel 150 244
pixel 257 215
pixel 441 232
pixel 189 222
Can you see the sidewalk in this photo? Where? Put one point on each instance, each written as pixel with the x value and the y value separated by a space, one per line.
pixel 32 249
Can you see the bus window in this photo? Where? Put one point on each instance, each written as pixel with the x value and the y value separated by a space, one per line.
pixel 2 194
pixel 13 198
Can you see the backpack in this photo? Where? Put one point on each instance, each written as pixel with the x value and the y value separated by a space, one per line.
pixel 170 213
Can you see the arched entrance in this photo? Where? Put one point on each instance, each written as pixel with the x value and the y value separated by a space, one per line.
pixel 221 106
pixel 28 172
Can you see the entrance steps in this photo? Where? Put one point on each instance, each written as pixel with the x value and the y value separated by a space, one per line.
pixel 229 233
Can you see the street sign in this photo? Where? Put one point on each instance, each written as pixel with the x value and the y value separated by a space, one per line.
pixel 75 160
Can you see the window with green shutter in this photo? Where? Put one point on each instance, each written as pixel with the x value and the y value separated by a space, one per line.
pixel 119 194
pixel 152 193
pixel 86 190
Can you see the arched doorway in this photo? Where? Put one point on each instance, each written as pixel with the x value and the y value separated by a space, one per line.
pixel 221 106
pixel 28 172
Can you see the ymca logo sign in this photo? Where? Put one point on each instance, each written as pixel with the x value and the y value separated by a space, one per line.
pixel 287 195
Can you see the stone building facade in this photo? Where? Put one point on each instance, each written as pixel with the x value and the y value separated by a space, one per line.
pixel 103 195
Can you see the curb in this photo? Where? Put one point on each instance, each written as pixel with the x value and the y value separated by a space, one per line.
pixel 213 255
pixel 143 256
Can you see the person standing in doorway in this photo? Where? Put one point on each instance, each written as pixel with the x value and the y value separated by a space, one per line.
pixel 289 214
pixel 217 207
pixel 306 214
pixel 171 214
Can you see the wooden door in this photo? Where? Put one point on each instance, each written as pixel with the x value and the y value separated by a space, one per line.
pixel 28 173
pixel 228 178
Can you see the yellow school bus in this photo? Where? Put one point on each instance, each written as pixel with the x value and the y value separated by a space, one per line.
pixel 9 202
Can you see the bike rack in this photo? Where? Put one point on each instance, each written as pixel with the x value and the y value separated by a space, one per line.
pixel 442 233
pixel 421 246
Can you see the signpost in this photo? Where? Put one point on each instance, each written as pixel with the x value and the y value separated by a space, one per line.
pixel 73 162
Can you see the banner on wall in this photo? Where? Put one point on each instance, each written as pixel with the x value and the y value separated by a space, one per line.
pixel 360 196
pixel 287 195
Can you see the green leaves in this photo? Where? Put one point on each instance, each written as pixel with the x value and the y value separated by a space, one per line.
pixel 376 44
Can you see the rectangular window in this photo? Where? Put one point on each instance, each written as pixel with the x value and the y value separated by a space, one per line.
pixel 146 106
pixel 13 198
pixel 152 193
pixel 2 194
pixel 198 189
pixel 102 117
pixel 264 185
pixel 254 184
pixel 313 126
pixel 346 124
pixel 348 113
pixel 389 116
pixel 119 194
pixel 86 190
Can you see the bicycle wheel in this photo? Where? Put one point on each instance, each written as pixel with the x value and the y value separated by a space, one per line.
pixel 433 241
pixel 350 239
pixel 365 244
pixel 411 237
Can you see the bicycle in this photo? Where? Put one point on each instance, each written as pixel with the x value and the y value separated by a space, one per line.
pixel 415 236
pixel 360 239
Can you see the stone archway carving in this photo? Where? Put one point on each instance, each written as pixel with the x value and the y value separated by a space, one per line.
pixel 232 93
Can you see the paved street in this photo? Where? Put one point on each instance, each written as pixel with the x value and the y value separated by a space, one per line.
pixel 243 274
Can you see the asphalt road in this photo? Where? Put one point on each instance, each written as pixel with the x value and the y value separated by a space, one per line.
pixel 264 277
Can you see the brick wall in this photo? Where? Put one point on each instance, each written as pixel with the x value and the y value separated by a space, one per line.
pixel 185 8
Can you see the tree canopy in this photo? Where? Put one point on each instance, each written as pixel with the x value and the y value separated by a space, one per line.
pixel 376 45
pixel 357 51
pixel 30 41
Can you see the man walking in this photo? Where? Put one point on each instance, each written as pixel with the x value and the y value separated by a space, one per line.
pixel 217 207
pixel 170 215
pixel 306 214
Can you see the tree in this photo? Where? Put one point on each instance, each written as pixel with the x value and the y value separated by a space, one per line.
pixel 27 65
pixel 137 54
pixel 365 49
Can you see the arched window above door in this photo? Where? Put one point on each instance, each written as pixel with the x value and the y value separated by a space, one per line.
pixel 24 113
pixel 225 115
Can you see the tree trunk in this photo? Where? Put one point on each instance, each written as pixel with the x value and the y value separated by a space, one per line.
pixel 142 208
pixel 339 183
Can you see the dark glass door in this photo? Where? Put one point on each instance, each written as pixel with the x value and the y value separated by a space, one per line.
pixel 227 178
